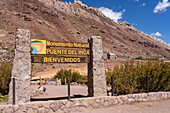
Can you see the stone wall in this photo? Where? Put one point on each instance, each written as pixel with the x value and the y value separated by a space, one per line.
pixel 82 104
pixel 21 70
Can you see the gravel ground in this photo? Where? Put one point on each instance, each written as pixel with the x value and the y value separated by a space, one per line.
pixel 162 106
pixel 55 92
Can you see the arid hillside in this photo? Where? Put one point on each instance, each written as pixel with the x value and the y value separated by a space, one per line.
pixel 57 20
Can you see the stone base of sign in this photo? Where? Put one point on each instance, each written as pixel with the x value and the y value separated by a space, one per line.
pixel 96 73
pixel 21 70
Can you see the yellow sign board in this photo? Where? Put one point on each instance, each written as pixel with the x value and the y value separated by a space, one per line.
pixel 44 51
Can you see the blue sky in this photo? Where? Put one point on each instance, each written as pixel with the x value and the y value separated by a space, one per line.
pixel 149 16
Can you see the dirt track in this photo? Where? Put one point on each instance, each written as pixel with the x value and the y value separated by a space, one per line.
pixel 143 107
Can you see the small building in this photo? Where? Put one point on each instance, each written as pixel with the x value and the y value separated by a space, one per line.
pixel 164 58
pixel 111 56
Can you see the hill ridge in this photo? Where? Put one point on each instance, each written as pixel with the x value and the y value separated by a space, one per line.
pixel 69 8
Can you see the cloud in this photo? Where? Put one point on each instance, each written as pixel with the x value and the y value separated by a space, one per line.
pixel 111 14
pixel 136 0
pixel 133 24
pixel 144 4
pixel 162 6
pixel 157 34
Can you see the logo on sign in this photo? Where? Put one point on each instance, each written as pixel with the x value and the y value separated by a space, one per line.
pixel 38 46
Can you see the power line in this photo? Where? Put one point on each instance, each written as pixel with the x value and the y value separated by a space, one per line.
pixel 22 14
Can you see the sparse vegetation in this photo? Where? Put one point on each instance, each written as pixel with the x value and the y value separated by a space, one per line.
pixel 131 78
pixel 3 98
pixel 74 76
pixel 5 77
pixel 148 59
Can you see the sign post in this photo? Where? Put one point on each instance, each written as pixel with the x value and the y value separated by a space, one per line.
pixel 68 88
pixel 112 86
pixel 13 91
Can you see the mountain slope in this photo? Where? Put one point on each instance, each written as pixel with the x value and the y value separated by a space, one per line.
pixel 57 20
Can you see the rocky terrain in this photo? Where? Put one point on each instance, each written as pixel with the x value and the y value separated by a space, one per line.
pixel 58 20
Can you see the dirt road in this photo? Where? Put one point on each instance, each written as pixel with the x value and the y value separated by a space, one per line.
pixel 162 106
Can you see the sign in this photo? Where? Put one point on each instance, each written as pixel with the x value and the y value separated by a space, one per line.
pixel 55 51
pixel 58 59
pixel 38 46
pixel 44 51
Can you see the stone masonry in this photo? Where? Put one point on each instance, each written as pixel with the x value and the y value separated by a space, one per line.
pixel 96 73
pixel 21 70
pixel 78 105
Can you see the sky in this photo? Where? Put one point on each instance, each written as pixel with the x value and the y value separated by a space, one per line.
pixel 150 16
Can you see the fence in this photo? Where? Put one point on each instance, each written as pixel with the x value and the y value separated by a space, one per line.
pixel 130 77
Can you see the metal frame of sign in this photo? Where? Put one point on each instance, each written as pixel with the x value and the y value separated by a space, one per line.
pixel 44 51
